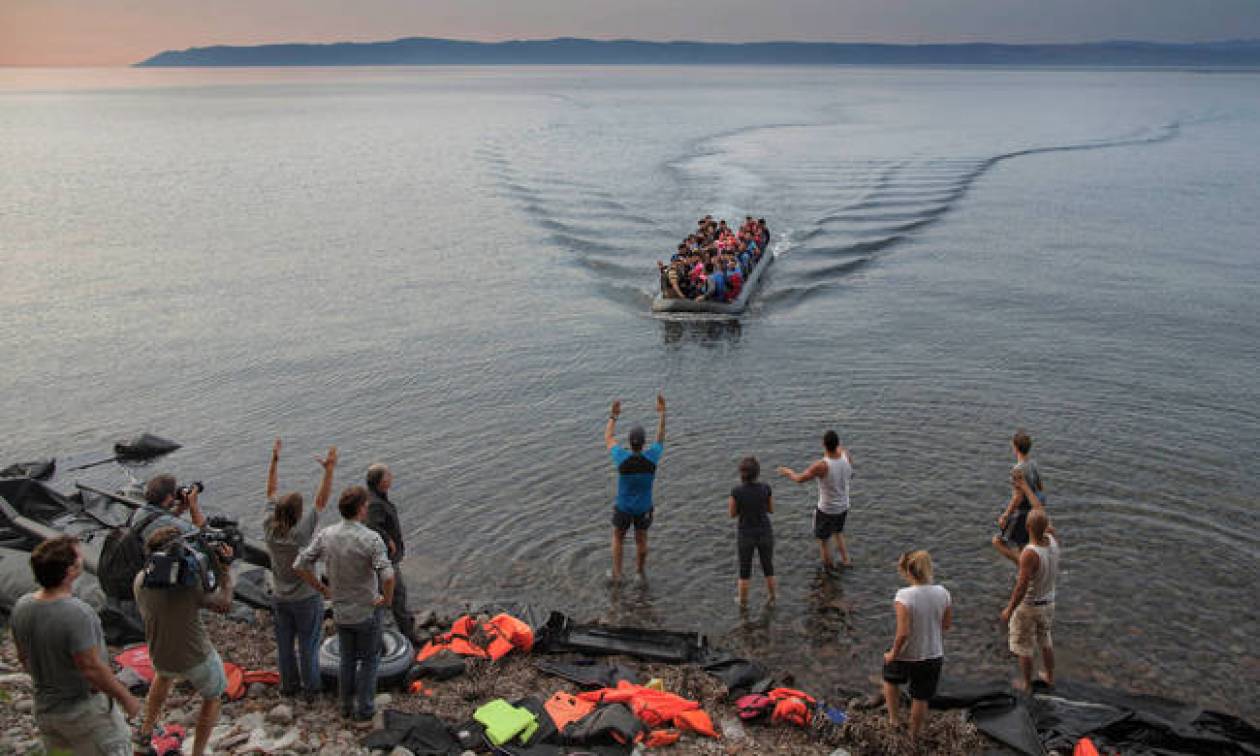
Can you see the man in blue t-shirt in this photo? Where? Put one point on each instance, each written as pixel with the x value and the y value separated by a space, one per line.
pixel 636 471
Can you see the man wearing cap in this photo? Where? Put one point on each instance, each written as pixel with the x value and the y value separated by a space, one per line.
pixel 636 472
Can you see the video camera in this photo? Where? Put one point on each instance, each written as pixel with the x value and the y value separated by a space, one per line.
pixel 183 492
pixel 195 558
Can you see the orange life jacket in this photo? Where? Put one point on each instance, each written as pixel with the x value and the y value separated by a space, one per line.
pixel 239 680
pixel 661 738
pixel 791 711
pixel 564 708
pixel 655 708
pixel 504 633
pixel 1084 747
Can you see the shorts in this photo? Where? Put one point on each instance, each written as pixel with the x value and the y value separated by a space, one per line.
pixel 207 677
pixel 1016 531
pixel 826 524
pixel 763 544
pixel 923 676
pixel 623 520
pixel 1030 629
pixel 94 727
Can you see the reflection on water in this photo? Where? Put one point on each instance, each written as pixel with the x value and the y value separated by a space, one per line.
pixel 678 331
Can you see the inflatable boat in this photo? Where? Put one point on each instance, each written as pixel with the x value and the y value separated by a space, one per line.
pixel 664 305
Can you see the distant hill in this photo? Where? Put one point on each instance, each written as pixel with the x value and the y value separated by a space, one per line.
pixel 422 51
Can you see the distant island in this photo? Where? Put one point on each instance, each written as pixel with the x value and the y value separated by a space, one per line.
pixel 423 51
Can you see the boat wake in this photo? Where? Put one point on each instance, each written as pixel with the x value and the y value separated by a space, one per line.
pixel 856 211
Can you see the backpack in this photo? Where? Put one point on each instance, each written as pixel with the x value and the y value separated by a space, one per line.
pixel 122 556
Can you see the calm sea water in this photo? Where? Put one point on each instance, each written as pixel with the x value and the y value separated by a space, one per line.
pixel 449 270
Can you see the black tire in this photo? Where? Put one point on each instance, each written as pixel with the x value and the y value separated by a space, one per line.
pixel 397 656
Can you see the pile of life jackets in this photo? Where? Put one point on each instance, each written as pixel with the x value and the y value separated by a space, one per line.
pixel 664 715
pixel 780 706
pixel 492 640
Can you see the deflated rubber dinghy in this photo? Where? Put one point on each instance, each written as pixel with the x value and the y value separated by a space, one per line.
pixel 397 656
pixel 144 446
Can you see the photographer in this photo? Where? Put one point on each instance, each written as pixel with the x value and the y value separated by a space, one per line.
pixel 168 501
pixel 79 704
pixel 297 607
pixel 179 645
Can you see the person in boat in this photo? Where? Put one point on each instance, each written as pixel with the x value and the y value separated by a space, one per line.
pixel 753 503
pixel 924 614
pixel 179 644
pixel 1014 535
pixel 763 234
pixel 361 584
pixel 715 288
pixel 297 608
pixel 833 473
pixel 672 278
pixel 383 518
pixel 734 280
pixel 746 257
pixel 636 473
pixel 1030 611
pixel 79 703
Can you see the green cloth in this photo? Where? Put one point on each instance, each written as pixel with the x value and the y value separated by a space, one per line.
pixel 503 721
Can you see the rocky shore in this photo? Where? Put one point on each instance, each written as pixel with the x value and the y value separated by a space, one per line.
pixel 264 722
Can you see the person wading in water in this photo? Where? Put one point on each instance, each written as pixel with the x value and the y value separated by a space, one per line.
pixel 636 471
pixel 832 472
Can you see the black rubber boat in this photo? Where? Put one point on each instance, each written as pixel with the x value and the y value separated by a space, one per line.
pixel 664 305
pixel 86 495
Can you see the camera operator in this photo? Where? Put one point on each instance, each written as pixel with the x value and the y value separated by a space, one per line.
pixel 79 704
pixel 179 645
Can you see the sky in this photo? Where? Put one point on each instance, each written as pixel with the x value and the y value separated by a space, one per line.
pixel 121 32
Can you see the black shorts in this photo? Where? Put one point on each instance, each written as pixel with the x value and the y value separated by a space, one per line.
pixel 923 676
pixel 1016 531
pixel 826 524
pixel 763 544
pixel 623 520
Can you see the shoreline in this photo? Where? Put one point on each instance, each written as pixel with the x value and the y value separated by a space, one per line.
pixel 265 722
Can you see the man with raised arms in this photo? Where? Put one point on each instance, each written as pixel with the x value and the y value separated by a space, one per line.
pixel 832 472
pixel 636 472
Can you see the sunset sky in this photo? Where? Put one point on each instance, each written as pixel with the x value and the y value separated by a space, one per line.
pixel 120 32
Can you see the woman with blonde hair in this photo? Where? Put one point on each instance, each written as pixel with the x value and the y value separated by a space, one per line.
pixel 924 613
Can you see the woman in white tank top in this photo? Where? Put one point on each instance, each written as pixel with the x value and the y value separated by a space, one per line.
pixel 924 613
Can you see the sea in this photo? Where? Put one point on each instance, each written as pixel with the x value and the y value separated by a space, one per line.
pixel 449 270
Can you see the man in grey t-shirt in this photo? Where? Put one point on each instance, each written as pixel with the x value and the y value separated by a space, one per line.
pixel 361 582
pixel 79 704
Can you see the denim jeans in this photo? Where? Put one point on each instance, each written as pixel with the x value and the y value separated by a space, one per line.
pixel 300 620
pixel 360 646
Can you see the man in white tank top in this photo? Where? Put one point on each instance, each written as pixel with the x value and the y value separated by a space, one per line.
pixel 1031 609
pixel 832 472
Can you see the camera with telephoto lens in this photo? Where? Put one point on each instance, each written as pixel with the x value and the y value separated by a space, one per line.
pixel 183 492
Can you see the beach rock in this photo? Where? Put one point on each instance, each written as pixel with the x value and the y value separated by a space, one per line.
pixel 281 714
pixel 383 699
pixel 233 740
pixel 24 706
pixel 252 721
pixel 733 729
pixel 15 680
pixel 840 752
pixel 261 742
pixel 400 751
